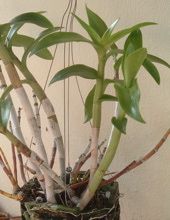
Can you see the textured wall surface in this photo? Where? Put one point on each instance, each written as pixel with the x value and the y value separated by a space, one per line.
pixel 145 191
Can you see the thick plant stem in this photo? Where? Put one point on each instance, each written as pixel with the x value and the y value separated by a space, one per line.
pixel 16 129
pixel 21 93
pixel 105 163
pixel 48 109
pixel 96 112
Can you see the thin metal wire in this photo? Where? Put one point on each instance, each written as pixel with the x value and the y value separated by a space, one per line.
pixel 67 105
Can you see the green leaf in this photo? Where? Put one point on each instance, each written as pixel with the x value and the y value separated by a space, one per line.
pixel 133 42
pixel 4 28
pixel 12 32
pixel 132 64
pixel 89 105
pixel 120 34
pixel 106 97
pixel 120 124
pixel 92 33
pixel 47 54
pixel 129 99
pixel 5 109
pixel 75 70
pixel 26 41
pixel 152 70
pixel 22 41
pixel 156 59
pixel 56 38
pixel 96 22
pixel 109 31
pixel 33 18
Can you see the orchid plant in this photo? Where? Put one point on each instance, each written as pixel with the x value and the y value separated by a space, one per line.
pixel 127 63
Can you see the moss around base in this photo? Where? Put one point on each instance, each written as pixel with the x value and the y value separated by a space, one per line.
pixel 105 205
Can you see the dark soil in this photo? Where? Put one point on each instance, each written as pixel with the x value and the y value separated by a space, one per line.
pixel 104 205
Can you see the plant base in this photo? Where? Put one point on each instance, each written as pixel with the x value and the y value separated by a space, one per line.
pixel 104 205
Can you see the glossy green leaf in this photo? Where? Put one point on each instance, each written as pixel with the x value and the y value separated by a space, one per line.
pixel 34 18
pixel 129 99
pixel 156 59
pixel 106 97
pixel 92 33
pixel 47 54
pixel 152 70
pixel 132 64
pixel 96 22
pixel 47 32
pixel 25 41
pixel 5 109
pixel 56 38
pixel 120 124
pixel 13 30
pixel 75 70
pixel 133 42
pixel 109 31
pixel 120 34
pixel 89 105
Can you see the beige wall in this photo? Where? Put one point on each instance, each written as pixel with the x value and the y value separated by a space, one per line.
pixel 145 191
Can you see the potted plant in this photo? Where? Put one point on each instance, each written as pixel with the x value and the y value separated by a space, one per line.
pixel 72 193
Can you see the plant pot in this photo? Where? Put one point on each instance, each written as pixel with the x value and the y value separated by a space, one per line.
pixel 104 205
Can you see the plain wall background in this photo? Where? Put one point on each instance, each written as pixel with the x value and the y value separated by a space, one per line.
pixel 145 191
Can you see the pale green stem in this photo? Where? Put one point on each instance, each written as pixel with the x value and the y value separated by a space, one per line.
pixel 105 163
pixel 96 112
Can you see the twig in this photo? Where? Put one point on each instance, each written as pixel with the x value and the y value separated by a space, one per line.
pixel 21 165
pixel 130 166
pixel 136 163
pixel 30 170
pixel 5 160
pixel 54 150
pixel 83 158
pixel 9 174
pixel 11 196
pixel 14 162
pixel 14 156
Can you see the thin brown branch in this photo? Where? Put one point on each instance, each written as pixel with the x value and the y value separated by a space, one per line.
pixel 14 162
pixel 13 156
pixel 9 174
pixel 21 165
pixel 30 170
pixel 5 160
pixel 11 196
pixel 54 151
pixel 134 164
pixel 83 158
